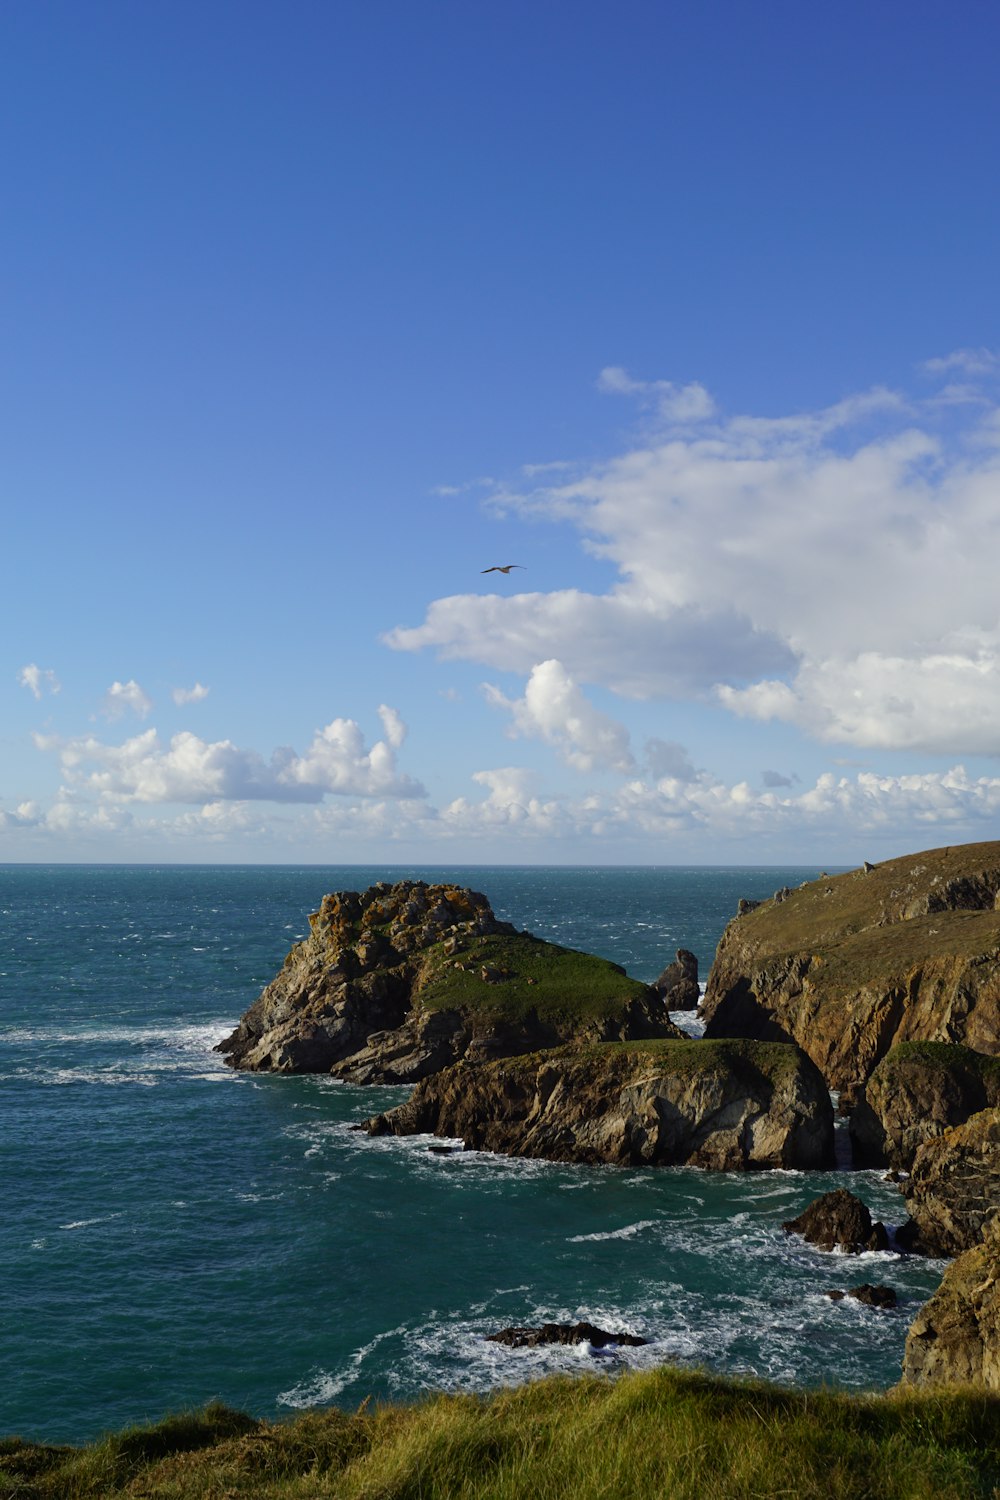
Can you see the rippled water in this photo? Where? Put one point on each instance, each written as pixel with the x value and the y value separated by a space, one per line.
pixel 174 1231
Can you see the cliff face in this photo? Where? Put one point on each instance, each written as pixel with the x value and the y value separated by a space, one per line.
pixel 848 965
pixel 723 1105
pixel 953 1191
pixel 396 982
pixel 918 1091
pixel 956 1336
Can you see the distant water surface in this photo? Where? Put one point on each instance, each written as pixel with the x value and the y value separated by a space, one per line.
pixel 173 1231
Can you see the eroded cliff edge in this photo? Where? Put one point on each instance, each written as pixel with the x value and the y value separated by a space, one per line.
pixel 398 981
pixel 728 1106
pixel 848 965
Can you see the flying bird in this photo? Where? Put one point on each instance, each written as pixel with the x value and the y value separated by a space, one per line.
pixel 505 569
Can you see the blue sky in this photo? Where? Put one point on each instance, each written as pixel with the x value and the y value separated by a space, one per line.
pixel 312 312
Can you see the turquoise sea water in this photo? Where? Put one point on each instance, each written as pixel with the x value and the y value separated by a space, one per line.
pixel 173 1231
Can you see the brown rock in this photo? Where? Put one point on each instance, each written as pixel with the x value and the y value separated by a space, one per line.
pixel 678 984
pixel 917 1091
pixel 351 999
pixel 848 965
pixel 723 1105
pixel 839 1221
pixel 953 1191
pixel 955 1338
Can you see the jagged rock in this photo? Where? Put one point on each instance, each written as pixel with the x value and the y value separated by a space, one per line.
pixel 917 1091
pixel 839 1221
pixel 376 993
pixel 678 984
pixel 955 1338
pixel 562 1333
pixel 848 965
pixel 871 1296
pixel 953 1190
pixel 724 1105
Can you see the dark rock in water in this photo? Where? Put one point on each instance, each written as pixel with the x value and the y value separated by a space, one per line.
pixel 396 982
pixel 562 1333
pixel 953 1191
pixel 873 1296
pixel 446 1150
pixel 917 1092
pixel 835 1296
pixel 850 965
pixel 727 1106
pixel 678 984
pixel 839 1221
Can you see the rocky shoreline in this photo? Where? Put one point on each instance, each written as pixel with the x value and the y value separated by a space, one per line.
pixel 882 984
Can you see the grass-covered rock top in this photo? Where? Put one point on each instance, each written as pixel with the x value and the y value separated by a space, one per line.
pixel 848 965
pixel 512 975
pixel 395 982
pixel 646 1436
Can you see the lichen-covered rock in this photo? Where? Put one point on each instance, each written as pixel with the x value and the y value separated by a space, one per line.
pixel 396 982
pixel 722 1105
pixel 678 984
pixel 918 1091
pixel 955 1338
pixel 953 1190
pixel 848 965
pixel 839 1221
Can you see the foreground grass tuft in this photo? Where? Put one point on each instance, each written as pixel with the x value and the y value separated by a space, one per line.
pixel 643 1436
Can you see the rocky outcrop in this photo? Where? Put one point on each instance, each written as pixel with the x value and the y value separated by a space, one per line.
pixel 723 1105
pixel 918 1091
pixel 849 965
pixel 563 1333
pixel 870 1296
pixel 955 1338
pixel 678 984
pixel 839 1221
pixel 397 982
pixel 953 1191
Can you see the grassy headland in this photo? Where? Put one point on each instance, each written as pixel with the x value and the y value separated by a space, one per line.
pixel 647 1436
pixel 527 974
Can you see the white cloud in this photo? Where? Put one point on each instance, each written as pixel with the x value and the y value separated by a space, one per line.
pixel 680 404
pixel 969 361
pixel 915 807
pixel 554 709
pixel 189 695
pixel 38 680
pixel 191 770
pixel 126 697
pixel 830 569
pixel 626 642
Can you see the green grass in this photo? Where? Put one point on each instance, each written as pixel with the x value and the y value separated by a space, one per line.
pixel 666 1433
pixel 557 983
pixel 945 1056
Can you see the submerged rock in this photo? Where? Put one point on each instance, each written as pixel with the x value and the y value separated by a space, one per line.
pixel 848 965
pixel 918 1091
pixel 397 982
pixel 839 1221
pixel 955 1338
pixel 723 1105
pixel 562 1333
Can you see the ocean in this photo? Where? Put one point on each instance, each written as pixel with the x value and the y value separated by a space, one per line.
pixel 174 1232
